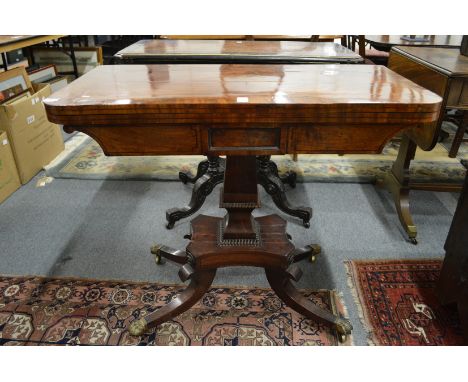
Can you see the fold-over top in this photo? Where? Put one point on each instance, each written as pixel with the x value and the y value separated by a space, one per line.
pixel 271 95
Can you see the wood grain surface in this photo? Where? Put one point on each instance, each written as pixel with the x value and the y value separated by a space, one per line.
pixel 221 93
pixel 448 61
pixel 237 50
pixel 189 109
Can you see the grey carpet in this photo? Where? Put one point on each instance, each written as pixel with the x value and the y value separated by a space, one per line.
pixel 103 229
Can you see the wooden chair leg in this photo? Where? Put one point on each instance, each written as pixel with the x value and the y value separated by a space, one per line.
pixel 362 46
pixel 457 140
pixel 344 41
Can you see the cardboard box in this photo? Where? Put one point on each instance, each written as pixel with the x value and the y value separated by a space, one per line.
pixel 9 179
pixel 34 140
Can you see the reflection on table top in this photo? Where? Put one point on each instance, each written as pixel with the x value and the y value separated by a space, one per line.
pixel 137 89
pixel 204 50
pixel 447 61
pixel 281 37
pixel 387 41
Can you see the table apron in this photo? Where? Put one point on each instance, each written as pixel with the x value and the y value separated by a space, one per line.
pixel 206 140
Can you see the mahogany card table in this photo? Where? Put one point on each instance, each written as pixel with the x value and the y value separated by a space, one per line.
pixel 256 37
pixel 241 111
pixel 236 52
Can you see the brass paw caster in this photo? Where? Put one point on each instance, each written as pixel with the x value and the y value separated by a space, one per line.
pixel 183 177
pixel 315 250
pixel 343 329
pixel 155 250
pixel 138 327
pixel 412 233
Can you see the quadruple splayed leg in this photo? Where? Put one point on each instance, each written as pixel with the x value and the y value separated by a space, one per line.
pixel 239 239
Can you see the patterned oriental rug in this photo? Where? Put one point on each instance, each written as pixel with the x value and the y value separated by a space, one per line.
pixel 84 159
pixel 65 311
pixel 398 304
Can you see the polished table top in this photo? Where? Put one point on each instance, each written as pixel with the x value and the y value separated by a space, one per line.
pixel 290 37
pixel 447 61
pixel 217 51
pixel 387 41
pixel 272 94
pixel 281 37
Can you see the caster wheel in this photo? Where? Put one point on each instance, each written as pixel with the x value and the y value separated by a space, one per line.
pixel 138 327
pixel 292 183
pixel 292 177
pixel 289 236
pixel 188 237
pixel 157 256
pixel 155 249
pixel 183 177
pixel 343 329
pixel 315 249
pixel 413 240
pixel 306 224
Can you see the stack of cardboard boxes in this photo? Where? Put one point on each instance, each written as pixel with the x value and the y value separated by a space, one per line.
pixel 28 141
pixel 9 179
